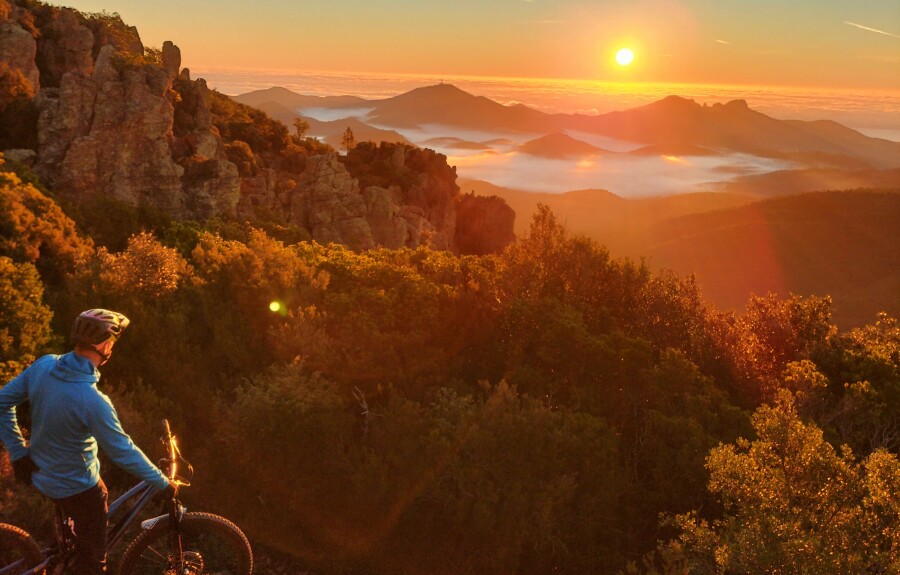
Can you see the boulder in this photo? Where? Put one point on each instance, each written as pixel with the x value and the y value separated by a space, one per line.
pixel 21 156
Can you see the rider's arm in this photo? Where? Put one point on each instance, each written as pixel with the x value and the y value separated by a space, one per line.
pixel 104 424
pixel 12 395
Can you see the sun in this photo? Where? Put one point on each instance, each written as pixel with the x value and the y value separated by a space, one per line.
pixel 624 56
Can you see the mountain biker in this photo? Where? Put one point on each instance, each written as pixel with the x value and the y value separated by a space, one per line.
pixel 70 417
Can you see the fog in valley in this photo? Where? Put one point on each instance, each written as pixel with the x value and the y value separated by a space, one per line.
pixel 494 156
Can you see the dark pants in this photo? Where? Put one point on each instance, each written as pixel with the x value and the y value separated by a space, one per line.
pixel 88 512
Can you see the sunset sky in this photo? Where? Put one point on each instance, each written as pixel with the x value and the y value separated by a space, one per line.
pixel 829 43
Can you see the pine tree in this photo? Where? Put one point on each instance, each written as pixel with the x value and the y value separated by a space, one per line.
pixel 348 141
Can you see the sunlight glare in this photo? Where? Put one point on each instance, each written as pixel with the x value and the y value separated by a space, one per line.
pixel 624 56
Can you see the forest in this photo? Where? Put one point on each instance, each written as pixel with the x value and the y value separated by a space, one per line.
pixel 547 409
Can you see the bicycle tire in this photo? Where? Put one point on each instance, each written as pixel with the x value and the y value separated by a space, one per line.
pixel 220 545
pixel 19 548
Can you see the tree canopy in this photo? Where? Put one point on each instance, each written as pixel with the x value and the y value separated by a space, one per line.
pixel 414 411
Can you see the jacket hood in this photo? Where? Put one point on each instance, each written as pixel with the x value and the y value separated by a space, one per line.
pixel 76 369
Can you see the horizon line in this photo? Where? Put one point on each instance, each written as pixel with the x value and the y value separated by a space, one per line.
pixel 197 71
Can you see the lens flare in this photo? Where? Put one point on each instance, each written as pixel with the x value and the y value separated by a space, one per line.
pixel 275 306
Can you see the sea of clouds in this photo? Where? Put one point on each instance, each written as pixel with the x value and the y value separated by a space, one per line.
pixel 624 174
pixel 873 113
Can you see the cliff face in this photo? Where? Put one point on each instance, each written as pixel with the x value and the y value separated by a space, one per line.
pixel 105 115
pixel 391 195
pixel 409 194
pixel 114 121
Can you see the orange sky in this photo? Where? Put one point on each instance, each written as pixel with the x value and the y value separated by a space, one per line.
pixel 829 43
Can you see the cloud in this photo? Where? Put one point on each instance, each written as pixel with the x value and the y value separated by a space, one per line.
pixel 547 21
pixel 723 42
pixel 861 27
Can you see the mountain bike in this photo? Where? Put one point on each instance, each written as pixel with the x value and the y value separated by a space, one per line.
pixel 177 542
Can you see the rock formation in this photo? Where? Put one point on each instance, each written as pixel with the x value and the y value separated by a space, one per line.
pixel 105 125
pixel 485 224
pixel 116 121
pixel 409 192
pixel 392 195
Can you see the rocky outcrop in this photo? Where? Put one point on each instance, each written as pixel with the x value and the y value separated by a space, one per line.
pixel 410 193
pixel 407 199
pixel 109 132
pixel 485 224
pixel 66 44
pixel 105 123
pixel 327 202
pixel 211 183
pixel 114 122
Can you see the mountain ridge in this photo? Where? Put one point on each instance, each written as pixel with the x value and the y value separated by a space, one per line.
pixel 671 121
pixel 840 243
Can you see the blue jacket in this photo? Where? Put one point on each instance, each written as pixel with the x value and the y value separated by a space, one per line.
pixel 69 418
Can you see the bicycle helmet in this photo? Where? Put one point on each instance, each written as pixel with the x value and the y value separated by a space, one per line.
pixel 95 326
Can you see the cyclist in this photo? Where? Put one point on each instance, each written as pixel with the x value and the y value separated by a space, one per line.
pixel 70 417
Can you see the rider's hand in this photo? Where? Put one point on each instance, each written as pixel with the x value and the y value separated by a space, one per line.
pixel 170 491
pixel 23 469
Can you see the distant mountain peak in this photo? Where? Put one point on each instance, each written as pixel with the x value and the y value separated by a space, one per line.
pixel 559 145
pixel 737 105
pixel 444 86
pixel 277 90
pixel 443 89
pixel 677 100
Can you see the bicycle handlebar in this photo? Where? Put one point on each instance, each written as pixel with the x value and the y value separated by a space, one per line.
pixel 174 455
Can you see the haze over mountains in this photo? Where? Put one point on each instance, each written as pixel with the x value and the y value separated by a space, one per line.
pixel 673 122
pixel 844 244
pixel 676 182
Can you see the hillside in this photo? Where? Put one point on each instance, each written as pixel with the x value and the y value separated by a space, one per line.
pixel 792 182
pixel 844 244
pixel 602 215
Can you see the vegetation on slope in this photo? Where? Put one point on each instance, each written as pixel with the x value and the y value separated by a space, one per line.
pixel 412 411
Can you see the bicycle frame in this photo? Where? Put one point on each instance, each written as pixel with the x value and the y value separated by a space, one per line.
pixel 141 493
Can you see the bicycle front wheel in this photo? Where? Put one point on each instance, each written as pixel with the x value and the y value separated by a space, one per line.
pixel 18 551
pixel 210 545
